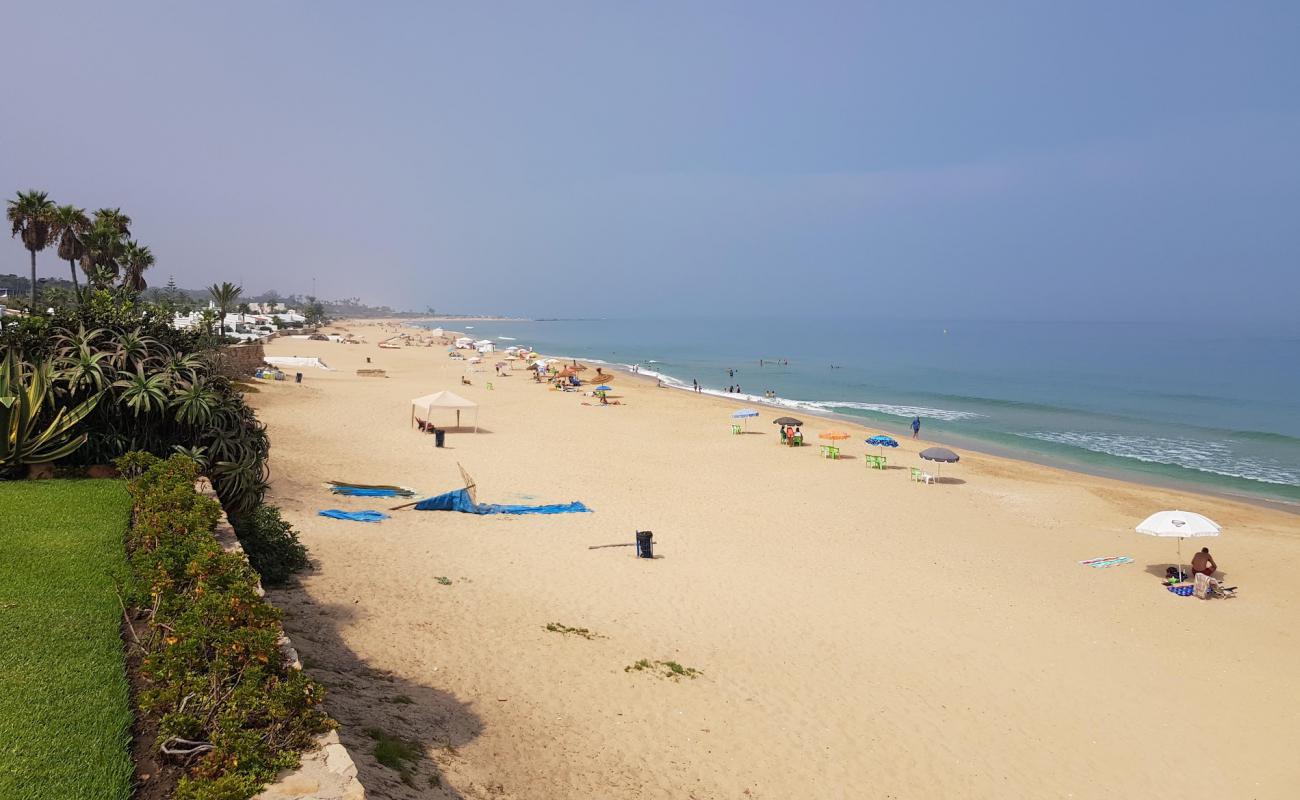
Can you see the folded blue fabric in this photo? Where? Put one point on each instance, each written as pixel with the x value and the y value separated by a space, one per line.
pixel 459 501
pixel 355 516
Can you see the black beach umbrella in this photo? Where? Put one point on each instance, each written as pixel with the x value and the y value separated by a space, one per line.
pixel 787 421
pixel 940 454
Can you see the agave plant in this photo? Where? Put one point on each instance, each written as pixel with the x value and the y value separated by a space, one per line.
pixel 194 402
pixel 144 391
pixel 25 436
pixel 133 349
pixel 83 363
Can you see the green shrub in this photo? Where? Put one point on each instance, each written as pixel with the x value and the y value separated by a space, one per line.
pixel 161 388
pixel 271 544
pixel 212 667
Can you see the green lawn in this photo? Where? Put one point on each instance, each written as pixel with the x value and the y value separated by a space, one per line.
pixel 65 713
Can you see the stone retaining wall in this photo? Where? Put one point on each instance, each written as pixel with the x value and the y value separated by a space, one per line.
pixel 239 360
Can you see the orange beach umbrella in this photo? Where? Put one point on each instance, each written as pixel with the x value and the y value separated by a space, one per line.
pixel 833 435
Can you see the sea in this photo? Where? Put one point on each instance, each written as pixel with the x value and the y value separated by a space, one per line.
pixel 1206 406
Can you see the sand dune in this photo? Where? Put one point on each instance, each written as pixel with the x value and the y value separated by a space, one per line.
pixel 860 636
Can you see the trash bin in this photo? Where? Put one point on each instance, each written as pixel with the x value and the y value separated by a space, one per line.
pixel 645 544
pixel 297 377
pixel 439 436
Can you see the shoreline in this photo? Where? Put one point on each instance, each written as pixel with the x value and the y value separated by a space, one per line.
pixel 984 448
pixel 1131 475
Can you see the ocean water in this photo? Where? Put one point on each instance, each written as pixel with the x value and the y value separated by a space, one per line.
pixel 1210 407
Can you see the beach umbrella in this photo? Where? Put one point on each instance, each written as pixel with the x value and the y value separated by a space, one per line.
pixel 1179 525
pixel 604 388
pixel 834 436
pixel 882 441
pixel 745 414
pixel 787 421
pixel 942 455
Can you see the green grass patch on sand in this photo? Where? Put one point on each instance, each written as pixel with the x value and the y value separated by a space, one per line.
pixel 65 714
pixel 665 669
pixel 397 754
pixel 568 630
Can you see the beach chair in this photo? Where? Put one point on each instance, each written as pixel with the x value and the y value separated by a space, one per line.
pixel 1205 587
pixel 783 436
pixel 1201 585
pixel 920 477
pixel 735 429
pixel 1217 589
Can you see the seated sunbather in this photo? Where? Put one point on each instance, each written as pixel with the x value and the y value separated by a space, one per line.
pixel 1203 562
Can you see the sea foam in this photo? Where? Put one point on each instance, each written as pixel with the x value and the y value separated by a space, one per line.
pixel 1209 456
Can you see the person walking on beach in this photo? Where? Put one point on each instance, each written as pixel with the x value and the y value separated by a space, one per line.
pixel 916 427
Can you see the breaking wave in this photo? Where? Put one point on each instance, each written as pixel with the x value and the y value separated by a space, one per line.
pixel 1216 458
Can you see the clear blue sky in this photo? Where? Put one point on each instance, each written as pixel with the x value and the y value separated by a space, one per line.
pixel 996 160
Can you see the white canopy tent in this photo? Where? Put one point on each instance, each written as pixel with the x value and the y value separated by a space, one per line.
pixel 443 399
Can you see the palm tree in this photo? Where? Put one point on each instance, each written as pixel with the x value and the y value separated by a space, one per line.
pixel 207 318
pixel 32 216
pixel 70 225
pixel 105 245
pixel 225 295
pixel 136 258
pixel 114 219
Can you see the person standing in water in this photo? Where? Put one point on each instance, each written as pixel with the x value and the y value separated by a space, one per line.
pixel 916 427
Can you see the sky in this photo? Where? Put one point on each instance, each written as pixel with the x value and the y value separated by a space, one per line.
pixel 1090 161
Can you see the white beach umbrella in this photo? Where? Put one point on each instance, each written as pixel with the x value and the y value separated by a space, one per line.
pixel 1179 525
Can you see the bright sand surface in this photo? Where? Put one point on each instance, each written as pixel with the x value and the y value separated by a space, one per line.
pixel 860 636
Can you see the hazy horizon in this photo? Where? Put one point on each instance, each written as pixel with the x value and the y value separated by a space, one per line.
pixel 1001 161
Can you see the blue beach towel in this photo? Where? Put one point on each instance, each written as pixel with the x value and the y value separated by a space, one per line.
pixel 355 516
pixel 1103 563
pixel 459 501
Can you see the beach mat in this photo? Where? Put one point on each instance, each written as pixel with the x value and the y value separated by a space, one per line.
pixel 354 516
pixel 1109 561
pixel 459 500
pixel 368 489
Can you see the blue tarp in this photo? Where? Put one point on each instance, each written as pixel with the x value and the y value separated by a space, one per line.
pixel 355 516
pixel 459 501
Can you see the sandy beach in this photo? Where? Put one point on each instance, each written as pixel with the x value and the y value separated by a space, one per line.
pixel 859 635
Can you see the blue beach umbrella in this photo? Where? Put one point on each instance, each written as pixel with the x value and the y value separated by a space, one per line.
pixel 882 442
pixel 745 414
pixel 603 388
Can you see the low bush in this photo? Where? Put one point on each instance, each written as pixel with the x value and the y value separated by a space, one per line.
pixel 271 545
pixel 215 678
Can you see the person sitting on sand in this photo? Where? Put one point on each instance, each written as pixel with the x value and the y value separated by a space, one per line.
pixel 1203 563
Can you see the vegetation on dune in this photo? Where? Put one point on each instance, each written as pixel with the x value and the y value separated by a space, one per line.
pixel 664 669
pixel 65 713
